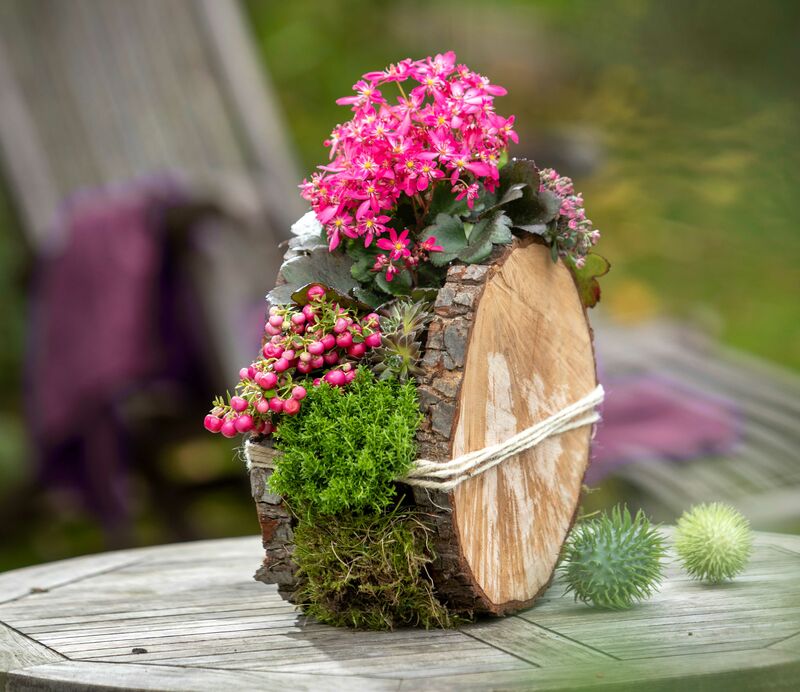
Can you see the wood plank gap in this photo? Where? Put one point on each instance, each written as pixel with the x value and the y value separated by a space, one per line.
pixel 574 641
pixel 500 648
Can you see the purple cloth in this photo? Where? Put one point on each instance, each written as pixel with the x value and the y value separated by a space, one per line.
pixel 110 315
pixel 654 418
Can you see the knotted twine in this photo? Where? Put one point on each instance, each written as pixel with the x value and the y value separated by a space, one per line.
pixel 446 475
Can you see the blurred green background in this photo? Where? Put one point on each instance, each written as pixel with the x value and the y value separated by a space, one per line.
pixel 679 120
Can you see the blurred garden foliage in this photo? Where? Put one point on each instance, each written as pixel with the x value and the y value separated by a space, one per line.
pixel 678 120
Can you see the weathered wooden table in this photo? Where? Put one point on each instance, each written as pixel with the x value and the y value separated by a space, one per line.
pixel 190 617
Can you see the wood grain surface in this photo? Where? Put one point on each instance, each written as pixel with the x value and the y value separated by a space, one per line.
pixel 529 355
pixel 189 616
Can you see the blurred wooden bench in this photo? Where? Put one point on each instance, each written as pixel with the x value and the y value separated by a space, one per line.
pixel 761 474
pixel 94 92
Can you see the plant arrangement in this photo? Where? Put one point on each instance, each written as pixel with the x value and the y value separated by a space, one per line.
pixel 613 561
pixel 418 180
pixel 713 542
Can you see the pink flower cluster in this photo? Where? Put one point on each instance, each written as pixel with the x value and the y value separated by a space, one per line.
pixel 443 128
pixel 575 234
pixel 321 340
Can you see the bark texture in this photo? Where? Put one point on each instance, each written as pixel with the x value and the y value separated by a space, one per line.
pixel 509 345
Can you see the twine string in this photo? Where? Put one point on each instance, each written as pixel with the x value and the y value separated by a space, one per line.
pixel 446 475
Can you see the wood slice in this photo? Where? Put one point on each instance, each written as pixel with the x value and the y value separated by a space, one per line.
pixel 509 346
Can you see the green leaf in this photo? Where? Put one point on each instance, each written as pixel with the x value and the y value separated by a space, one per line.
pixel 331 269
pixel 450 235
pixel 533 207
pixel 586 277
pixel 400 285
pixel 534 229
pixel 486 233
pixel 513 192
pixel 281 295
pixel 361 271
pixel 424 294
pixel 369 297
pixel 444 202
pixel 503 159
pixel 300 297
pixel 476 252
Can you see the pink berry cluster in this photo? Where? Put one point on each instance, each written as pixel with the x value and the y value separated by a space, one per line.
pixel 575 235
pixel 443 128
pixel 322 340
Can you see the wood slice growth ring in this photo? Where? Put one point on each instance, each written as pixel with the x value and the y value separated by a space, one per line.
pixel 509 345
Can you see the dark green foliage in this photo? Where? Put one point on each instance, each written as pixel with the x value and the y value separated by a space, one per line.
pixel 587 275
pixel 375 578
pixel 533 209
pixel 316 265
pixel 346 446
pixel 614 560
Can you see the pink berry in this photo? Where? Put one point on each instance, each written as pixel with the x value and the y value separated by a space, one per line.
pixel 298 318
pixel 268 380
pixel 347 367
pixel 316 381
pixel 349 376
pixel 317 362
pixel 373 340
pixel 268 427
pixel 262 406
pixel 316 348
pixel 291 406
pixel 304 367
pixel 238 404
pixel 340 325
pixel 276 320
pixel 328 341
pixel 288 354
pixel 335 378
pixel 259 426
pixel 331 358
pixel 272 331
pixel 280 365
pixel 212 423
pixel 244 374
pixel 244 423
pixel 315 292
pixel 276 404
pixel 299 392
pixel 344 340
pixel 356 350
pixel 305 357
pixel 308 311
pixel 228 428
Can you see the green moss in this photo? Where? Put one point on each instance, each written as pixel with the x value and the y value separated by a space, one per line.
pixel 346 446
pixel 376 575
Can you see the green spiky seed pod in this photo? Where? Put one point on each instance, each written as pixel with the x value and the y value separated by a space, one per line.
pixel 713 542
pixel 613 561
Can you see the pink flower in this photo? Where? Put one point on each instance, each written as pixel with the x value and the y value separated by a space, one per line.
pixel 429 245
pixel 471 192
pixel 391 271
pixel 396 244
pixel 442 124
pixel 370 226
pixel 367 93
